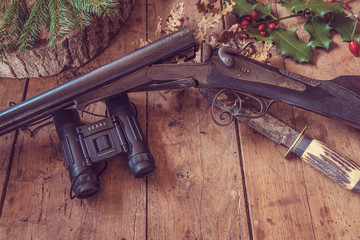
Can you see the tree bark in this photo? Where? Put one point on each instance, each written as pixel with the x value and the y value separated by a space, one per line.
pixel 74 50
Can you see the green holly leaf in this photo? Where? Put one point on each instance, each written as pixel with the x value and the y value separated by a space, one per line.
pixel 345 26
pixel 252 1
pixel 255 33
pixel 263 10
pixel 243 7
pixel 319 32
pixel 287 3
pixel 317 7
pixel 287 43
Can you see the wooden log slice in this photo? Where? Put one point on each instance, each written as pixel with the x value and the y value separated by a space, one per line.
pixel 74 50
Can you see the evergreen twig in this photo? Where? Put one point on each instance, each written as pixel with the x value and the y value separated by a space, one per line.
pixel 60 21
pixel 20 24
pixel 97 7
pixel 82 19
pixel 11 23
pixel 4 5
pixel 38 17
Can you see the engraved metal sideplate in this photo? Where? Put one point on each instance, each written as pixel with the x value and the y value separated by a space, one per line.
pixel 254 72
pixel 310 81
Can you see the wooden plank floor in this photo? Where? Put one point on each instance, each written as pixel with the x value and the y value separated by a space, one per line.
pixel 211 182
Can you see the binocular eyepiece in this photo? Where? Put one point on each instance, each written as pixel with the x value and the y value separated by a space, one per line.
pixel 83 145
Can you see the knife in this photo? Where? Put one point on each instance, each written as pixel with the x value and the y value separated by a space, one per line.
pixel 328 161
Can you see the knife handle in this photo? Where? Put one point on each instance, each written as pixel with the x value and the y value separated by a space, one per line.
pixel 333 164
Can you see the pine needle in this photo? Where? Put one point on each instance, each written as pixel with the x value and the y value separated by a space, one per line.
pixel 59 23
pixel 20 24
pixel 39 16
pixel 11 23
pixel 98 7
pixel 81 19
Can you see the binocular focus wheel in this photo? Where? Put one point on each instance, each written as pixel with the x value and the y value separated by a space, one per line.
pixel 142 165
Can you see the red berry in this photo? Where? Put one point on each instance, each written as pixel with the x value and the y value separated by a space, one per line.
pixel 331 1
pixel 346 4
pixel 354 48
pixel 263 33
pixel 272 25
pixel 254 15
pixel 261 27
pixel 248 18
pixel 244 23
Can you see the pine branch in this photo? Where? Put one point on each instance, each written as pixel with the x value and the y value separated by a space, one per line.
pixel 11 24
pixel 39 16
pixel 81 19
pixel 59 24
pixel 4 4
pixel 20 24
pixel 7 29
pixel 22 16
pixel 97 7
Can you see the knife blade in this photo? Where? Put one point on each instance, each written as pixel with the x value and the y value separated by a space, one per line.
pixel 331 163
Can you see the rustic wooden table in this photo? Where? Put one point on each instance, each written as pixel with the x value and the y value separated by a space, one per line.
pixel 211 182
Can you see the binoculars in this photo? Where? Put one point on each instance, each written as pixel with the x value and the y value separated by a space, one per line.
pixel 83 145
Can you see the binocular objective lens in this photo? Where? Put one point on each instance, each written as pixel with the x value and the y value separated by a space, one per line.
pixel 142 165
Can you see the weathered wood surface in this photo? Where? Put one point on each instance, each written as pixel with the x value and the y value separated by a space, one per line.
pixel 74 49
pixel 10 91
pixel 211 182
pixel 37 203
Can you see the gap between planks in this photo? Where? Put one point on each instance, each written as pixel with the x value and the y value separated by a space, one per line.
pixel 12 154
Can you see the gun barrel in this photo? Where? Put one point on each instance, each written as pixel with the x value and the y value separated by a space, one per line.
pixel 63 96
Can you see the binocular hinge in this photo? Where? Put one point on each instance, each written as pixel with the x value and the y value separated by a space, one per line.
pixel 87 159
pixel 123 141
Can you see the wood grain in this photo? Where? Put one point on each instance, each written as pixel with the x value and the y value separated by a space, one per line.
pixel 197 190
pixel 275 187
pixel 37 203
pixel 10 91
pixel 211 182
pixel 325 197
pixel 331 207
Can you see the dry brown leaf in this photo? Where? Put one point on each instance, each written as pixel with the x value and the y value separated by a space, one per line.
pixel 228 8
pixel 158 27
pixel 175 20
pixel 211 21
pixel 206 23
pixel 262 54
